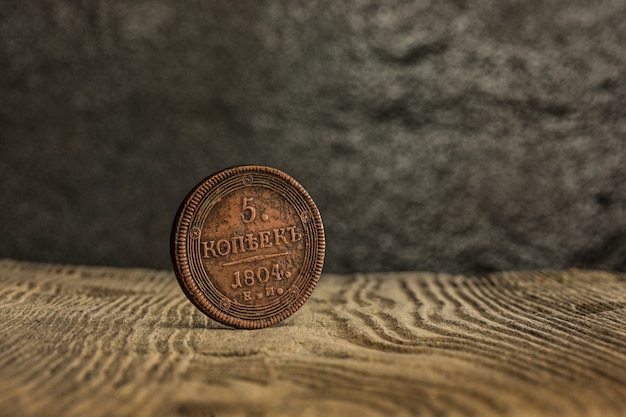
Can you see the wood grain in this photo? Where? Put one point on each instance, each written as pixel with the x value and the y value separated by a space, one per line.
pixel 79 341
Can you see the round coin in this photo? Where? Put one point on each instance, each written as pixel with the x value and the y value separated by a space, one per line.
pixel 248 246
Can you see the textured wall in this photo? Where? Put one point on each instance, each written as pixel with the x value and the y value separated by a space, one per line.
pixel 443 135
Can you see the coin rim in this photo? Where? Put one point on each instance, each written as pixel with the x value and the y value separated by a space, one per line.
pixel 180 260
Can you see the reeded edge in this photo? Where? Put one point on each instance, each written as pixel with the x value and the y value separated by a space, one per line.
pixel 180 260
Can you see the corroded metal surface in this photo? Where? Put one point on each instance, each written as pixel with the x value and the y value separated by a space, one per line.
pixel 248 246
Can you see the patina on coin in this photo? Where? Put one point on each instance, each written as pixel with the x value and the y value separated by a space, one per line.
pixel 248 246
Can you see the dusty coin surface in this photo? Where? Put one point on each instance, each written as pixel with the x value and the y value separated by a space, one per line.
pixel 248 246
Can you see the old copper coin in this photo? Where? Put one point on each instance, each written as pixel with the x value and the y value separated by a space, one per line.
pixel 248 246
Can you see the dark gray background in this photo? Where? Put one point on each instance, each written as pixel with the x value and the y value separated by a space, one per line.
pixel 433 135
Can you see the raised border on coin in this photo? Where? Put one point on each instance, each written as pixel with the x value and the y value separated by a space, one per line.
pixel 183 232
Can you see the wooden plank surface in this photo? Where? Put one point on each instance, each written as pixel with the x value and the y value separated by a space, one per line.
pixel 85 341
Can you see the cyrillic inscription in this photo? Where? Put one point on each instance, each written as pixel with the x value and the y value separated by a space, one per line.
pixel 282 236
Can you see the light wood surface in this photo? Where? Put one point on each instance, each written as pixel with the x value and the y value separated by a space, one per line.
pixel 85 341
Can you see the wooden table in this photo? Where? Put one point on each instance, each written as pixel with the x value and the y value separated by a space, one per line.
pixel 86 341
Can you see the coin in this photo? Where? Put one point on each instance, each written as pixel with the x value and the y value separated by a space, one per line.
pixel 248 246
